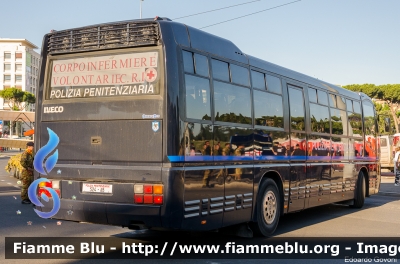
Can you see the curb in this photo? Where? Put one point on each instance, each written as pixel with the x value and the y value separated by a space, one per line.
pixel 395 194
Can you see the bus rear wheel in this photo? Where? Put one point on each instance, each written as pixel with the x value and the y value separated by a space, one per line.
pixel 361 191
pixel 268 208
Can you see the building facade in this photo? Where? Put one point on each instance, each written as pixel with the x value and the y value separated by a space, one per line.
pixel 19 68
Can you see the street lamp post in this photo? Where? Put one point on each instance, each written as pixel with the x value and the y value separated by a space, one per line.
pixel 141 8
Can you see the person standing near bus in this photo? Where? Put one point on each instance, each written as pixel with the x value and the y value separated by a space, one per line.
pixel 207 149
pixel 27 172
pixel 206 152
pixel 239 151
pixel 396 167
pixel 279 150
pixel 297 151
pixel 217 149
pixel 226 151
pixel 275 148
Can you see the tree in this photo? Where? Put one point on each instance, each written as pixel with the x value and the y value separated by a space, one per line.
pixel 17 99
pixel 388 94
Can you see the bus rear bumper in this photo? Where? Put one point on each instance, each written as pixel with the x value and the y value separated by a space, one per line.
pixel 108 213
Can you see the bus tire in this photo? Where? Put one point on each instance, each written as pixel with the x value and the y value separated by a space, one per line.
pixel 361 192
pixel 268 208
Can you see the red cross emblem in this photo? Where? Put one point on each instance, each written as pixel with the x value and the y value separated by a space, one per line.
pixel 150 75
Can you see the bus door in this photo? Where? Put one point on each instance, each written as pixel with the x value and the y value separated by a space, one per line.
pixel 319 149
pixel 347 147
pixel 298 171
pixel 296 151
pixel 236 154
pixel 318 170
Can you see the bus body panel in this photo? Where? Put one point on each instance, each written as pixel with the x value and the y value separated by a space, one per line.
pixel 172 82
pixel 109 213
pixel 108 142
pixel 103 109
pixel 172 209
pixel 203 198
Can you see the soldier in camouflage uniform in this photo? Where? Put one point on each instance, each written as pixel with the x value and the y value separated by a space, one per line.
pixel 219 152
pixel 27 172
pixel 226 151
pixel 206 152
pixel 239 151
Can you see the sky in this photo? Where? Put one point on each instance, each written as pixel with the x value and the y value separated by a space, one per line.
pixel 338 41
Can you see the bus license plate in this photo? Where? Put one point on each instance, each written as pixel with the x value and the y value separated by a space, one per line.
pixel 97 188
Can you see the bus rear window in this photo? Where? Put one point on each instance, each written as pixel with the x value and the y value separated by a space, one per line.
pixel 131 74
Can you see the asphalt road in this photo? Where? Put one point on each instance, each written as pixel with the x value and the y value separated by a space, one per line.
pixel 378 218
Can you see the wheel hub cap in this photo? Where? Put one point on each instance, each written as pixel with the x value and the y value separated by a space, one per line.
pixel 270 207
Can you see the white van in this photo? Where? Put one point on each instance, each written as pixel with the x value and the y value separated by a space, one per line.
pixel 387 151
pixel 388 144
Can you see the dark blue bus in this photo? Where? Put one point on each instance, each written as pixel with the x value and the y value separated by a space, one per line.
pixel 162 125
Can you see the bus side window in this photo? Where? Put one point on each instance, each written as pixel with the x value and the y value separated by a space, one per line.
pixel 258 80
pixel 268 109
pixel 356 107
pixel 220 70
pixel 201 63
pixel 235 107
pixel 332 100
pixel 355 124
pixel 319 118
pixel 188 61
pixel 273 84
pixel 322 97
pixel 312 95
pixel 370 129
pixel 239 75
pixel 296 103
pixel 349 105
pixel 197 98
pixel 338 120
pixel 369 119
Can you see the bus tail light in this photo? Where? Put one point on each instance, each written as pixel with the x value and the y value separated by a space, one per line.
pixel 148 189
pixel 148 194
pixel 148 198
pixel 138 188
pixel 158 199
pixel 158 189
pixel 139 198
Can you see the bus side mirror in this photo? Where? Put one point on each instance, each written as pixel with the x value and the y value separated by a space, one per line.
pixel 387 124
